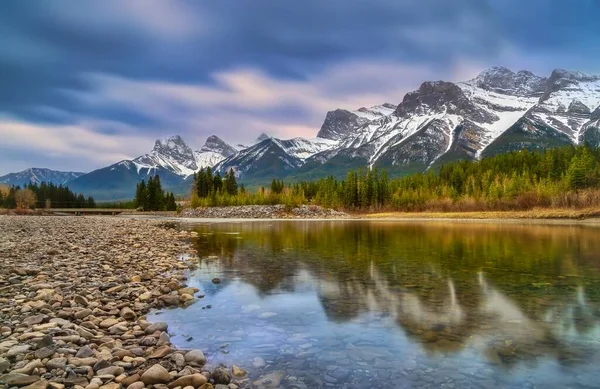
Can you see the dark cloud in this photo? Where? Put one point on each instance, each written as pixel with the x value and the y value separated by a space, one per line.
pixel 51 51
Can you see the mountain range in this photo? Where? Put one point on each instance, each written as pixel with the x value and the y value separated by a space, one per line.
pixel 497 111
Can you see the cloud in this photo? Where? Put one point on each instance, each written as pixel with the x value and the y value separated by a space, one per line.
pixel 244 102
pixel 81 143
pixel 149 68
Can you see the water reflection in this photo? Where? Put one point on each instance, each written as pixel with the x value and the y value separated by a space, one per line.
pixel 398 300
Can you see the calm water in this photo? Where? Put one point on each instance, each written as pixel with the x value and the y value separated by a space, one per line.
pixel 389 305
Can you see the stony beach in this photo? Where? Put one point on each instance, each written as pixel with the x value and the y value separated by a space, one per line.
pixel 264 212
pixel 73 295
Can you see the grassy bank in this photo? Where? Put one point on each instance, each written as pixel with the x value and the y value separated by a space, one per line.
pixel 541 214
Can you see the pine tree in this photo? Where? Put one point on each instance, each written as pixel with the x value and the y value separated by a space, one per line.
pixel 217 183
pixel 231 183
pixel 141 196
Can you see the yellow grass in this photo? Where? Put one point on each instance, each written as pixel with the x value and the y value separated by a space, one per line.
pixel 585 213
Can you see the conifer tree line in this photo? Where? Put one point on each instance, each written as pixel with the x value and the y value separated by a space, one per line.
pixel 43 195
pixel 207 184
pixel 559 177
pixel 151 197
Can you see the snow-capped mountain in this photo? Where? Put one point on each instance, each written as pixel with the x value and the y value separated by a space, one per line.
pixel 214 151
pixel 171 158
pixel 38 175
pixel 497 111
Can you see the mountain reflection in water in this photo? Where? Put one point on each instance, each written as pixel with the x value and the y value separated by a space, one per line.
pixel 461 303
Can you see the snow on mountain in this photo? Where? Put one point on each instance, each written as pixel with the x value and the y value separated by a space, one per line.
pixel 170 153
pixel 443 121
pixel 38 175
pixel 568 102
pixel 214 151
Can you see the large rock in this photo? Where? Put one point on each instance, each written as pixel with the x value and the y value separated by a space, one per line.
pixel 195 358
pixel 156 374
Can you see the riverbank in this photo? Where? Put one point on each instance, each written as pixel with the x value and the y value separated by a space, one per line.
pixel 73 295
pixel 591 214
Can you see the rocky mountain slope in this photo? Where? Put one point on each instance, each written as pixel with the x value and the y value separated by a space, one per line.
pixel 38 175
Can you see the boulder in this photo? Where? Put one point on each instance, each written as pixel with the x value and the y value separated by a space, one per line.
pixel 195 358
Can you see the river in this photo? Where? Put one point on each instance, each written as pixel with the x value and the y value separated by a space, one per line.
pixel 368 304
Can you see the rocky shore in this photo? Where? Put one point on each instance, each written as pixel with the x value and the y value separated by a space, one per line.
pixel 264 212
pixel 73 295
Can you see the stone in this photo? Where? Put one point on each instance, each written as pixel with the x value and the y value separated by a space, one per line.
pixel 194 380
pixel 156 374
pixel 271 380
pixel 17 379
pixel 76 381
pixel 195 358
pixel 56 363
pixel 185 298
pixel 4 365
pixel 238 372
pixel 111 385
pixel 44 327
pixel 81 300
pixel 163 339
pixel 18 350
pixel 111 370
pixel 82 314
pixel 41 384
pixel 33 320
pixel 130 380
pixel 136 385
pixel 106 323
pixel 85 352
pixel 83 361
pixel 30 367
pixel 45 352
pixel 46 341
pixel 221 376
pixel 216 280
pixel 170 300
pixel 160 326
pixel 127 314
pixel 161 352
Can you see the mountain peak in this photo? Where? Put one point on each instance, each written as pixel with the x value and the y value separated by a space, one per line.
pixel 262 137
pixel 504 81
pixel 217 145
pixel 38 175
pixel 174 142
pixel 561 79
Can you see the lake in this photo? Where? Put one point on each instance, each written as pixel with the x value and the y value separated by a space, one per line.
pixel 368 304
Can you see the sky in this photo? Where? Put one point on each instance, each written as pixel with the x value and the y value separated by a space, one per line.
pixel 84 84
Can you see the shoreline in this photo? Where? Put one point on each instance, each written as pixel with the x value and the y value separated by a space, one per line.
pixel 74 292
